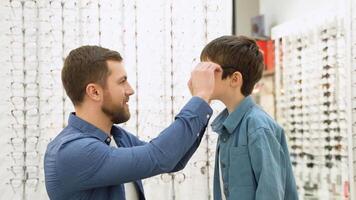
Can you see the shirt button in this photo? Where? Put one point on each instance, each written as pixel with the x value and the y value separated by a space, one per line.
pixel 226 191
pixel 207 116
pixel 108 140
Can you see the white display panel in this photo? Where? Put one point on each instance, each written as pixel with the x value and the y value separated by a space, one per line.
pixel 160 42
pixel 352 65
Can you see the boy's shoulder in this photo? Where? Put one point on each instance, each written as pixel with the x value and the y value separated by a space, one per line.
pixel 257 118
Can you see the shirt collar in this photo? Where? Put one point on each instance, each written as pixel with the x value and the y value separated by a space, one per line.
pixel 116 132
pixel 217 124
pixel 230 121
pixel 88 128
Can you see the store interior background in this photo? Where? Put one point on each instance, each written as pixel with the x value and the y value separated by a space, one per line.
pixel 161 41
pixel 313 50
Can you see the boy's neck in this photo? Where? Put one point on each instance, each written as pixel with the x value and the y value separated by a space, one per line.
pixel 233 102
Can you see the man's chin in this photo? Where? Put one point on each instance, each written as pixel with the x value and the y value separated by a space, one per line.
pixel 127 118
pixel 122 119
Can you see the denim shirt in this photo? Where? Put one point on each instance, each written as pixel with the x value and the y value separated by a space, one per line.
pixel 80 164
pixel 254 156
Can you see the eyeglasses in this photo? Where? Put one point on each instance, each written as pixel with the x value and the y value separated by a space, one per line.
pixel 17 183
pixel 19 142
pixel 311 106
pixel 17 157
pixel 26 158
pixel 32 171
pixel 18 171
pixel 178 176
pixel 26 116
pixel 19 102
pixel 31 88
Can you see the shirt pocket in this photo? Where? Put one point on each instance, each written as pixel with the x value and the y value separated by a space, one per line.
pixel 240 170
pixel 242 193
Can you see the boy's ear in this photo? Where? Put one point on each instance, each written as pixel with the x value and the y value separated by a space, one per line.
pixel 236 79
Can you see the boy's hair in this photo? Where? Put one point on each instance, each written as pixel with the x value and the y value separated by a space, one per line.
pixel 236 53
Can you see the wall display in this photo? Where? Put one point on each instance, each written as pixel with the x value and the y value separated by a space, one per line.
pixel 312 105
pixel 160 42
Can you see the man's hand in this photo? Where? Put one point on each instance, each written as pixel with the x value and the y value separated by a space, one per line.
pixel 202 80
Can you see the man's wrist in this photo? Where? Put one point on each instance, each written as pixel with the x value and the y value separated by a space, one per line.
pixel 205 97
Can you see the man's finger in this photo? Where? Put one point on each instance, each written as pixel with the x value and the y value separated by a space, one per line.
pixel 217 68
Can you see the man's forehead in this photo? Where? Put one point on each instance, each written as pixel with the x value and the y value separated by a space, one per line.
pixel 116 67
pixel 115 63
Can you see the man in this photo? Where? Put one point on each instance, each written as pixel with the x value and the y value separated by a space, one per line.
pixel 93 159
pixel 252 159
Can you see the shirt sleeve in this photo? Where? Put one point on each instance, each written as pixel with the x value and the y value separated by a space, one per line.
pixel 87 163
pixel 183 162
pixel 268 162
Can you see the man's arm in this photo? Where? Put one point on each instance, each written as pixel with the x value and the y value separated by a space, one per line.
pixel 203 87
pixel 89 163
pixel 268 163
pixel 183 162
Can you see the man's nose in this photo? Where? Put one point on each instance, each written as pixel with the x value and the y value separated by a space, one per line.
pixel 130 91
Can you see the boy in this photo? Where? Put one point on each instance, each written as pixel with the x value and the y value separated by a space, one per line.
pixel 252 159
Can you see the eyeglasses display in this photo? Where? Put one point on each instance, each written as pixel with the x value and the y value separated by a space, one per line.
pixel 312 108
pixel 353 84
pixel 38 34
pixel 33 106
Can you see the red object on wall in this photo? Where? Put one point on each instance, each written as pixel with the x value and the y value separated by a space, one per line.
pixel 267 48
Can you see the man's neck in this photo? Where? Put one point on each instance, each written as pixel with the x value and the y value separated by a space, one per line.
pixel 98 119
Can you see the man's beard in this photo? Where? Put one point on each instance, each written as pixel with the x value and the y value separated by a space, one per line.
pixel 117 114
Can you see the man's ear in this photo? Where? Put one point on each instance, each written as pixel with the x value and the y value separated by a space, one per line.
pixel 236 79
pixel 94 91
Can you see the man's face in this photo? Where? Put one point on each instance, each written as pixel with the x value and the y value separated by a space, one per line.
pixel 116 94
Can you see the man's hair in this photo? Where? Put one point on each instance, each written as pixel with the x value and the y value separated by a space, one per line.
pixel 84 65
pixel 236 53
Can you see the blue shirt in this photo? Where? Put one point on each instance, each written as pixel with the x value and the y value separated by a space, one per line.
pixel 254 156
pixel 80 164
